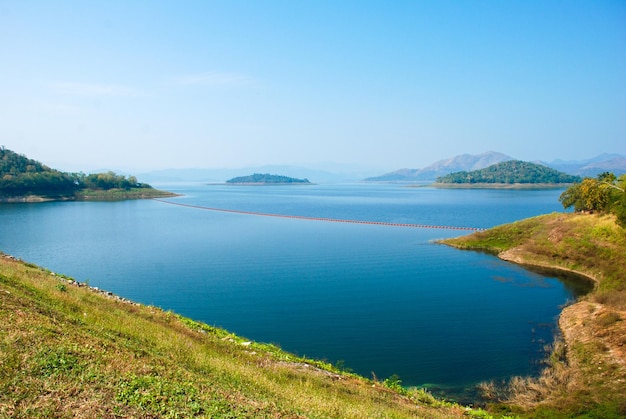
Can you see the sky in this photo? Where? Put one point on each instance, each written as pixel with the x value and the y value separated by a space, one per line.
pixel 141 85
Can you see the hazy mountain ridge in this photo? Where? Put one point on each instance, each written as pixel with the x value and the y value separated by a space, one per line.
pixel 463 162
pixel 334 173
pixel 330 175
pixel 615 163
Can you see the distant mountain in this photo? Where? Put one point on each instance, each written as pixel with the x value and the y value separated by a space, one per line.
pixel 510 172
pixel 463 162
pixel 332 174
pixel 615 163
pixel 267 179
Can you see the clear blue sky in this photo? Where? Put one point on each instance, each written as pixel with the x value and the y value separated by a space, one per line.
pixel 390 84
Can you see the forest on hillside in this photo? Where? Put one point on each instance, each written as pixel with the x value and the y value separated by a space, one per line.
pixel 21 176
pixel 510 172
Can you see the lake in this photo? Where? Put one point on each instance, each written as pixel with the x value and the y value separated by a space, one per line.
pixel 381 300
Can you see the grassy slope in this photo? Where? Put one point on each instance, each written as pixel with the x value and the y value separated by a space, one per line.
pixel 590 380
pixel 68 351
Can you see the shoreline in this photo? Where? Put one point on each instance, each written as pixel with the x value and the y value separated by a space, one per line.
pixel 108 195
pixel 587 364
pixel 511 256
pixel 500 185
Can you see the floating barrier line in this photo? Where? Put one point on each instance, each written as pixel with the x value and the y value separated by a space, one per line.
pixel 329 220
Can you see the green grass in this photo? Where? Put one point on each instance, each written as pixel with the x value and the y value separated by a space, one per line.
pixel 69 351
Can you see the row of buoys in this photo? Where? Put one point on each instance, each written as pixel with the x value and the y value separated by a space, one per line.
pixel 329 220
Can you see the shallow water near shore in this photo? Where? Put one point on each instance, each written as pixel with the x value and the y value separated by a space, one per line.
pixel 380 300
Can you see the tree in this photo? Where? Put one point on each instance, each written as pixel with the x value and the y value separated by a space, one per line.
pixel 606 194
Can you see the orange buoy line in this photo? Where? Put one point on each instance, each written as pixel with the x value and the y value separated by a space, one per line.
pixel 330 220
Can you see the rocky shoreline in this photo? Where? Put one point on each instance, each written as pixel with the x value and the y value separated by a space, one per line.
pixel 64 280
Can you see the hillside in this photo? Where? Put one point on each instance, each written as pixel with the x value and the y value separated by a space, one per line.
pixel 615 163
pixel 443 167
pixel 586 374
pixel 510 172
pixel 67 350
pixel 26 180
pixel 266 178
pixel 21 176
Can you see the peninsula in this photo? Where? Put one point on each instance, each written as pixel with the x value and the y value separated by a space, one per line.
pixel 267 179
pixel 587 369
pixel 26 180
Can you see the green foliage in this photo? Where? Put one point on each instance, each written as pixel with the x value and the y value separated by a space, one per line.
pixel 108 180
pixel 266 178
pixel 510 172
pixel 394 383
pixel 21 176
pixel 51 362
pixel 156 395
pixel 604 194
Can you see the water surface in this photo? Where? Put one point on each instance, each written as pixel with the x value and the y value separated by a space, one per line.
pixel 382 300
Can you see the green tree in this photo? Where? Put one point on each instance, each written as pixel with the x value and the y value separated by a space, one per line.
pixel 606 193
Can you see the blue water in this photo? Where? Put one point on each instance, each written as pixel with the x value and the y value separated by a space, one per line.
pixel 383 300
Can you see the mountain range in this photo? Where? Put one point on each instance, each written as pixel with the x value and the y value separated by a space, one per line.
pixel 614 163
pixel 591 167
pixel 333 174
pixel 463 162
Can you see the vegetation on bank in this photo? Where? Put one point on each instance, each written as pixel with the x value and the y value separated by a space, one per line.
pixel 586 374
pixel 70 351
pixel 510 172
pixel 22 178
pixel 266 178
pixel 604 194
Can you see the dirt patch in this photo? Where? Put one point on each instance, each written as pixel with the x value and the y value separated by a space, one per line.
pixel 592 323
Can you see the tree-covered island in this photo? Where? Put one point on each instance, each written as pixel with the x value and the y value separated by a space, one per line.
pixel 513 172
pixel 267 179
pixel 26 180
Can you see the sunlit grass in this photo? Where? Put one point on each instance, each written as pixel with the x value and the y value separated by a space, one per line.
pixel 67 350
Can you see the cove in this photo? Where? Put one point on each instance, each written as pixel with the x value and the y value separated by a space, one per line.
pixel 380 300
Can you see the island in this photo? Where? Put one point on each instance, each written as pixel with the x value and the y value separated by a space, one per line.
pixel 26 180
pixel 512 173
pixel 267 179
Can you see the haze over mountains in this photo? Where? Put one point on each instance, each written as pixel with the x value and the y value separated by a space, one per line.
pixel 463 162
pixel 330 175
pixel 591 167
pixel 615 163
